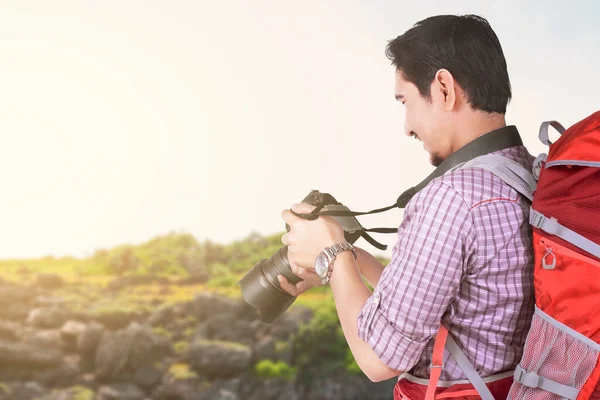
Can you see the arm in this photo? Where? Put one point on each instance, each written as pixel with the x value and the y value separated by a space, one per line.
pixel 350 295
pixel 368 266
pixel 388 329
pixel 405 310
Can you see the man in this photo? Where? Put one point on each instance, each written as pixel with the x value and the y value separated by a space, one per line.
pixel 463 256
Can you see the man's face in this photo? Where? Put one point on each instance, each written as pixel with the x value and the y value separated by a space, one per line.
pixel 423 119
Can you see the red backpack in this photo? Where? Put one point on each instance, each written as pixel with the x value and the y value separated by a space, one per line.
pixel 561 358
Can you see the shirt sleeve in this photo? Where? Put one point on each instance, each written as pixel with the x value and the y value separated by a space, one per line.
pixel 435 240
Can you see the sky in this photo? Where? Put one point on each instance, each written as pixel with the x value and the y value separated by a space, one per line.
pixel 124 120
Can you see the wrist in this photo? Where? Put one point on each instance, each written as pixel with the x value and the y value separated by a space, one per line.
pixel 326 260
pixel 359 257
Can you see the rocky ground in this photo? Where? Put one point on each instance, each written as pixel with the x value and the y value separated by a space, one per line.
pixel 204 348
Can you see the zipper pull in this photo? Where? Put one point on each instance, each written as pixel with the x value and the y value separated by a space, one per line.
pixel 552 265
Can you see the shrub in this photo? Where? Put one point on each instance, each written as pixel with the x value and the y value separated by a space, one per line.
pixel 322 339
pixel 181 371
pixel 274 369
pixel 124 261
pixel 228 280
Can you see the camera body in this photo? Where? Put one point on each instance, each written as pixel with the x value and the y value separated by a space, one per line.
pixel 260 286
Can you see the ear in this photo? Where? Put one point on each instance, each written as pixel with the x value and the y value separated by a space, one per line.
pixel 444 87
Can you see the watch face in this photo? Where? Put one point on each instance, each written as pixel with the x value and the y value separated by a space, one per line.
pixel 321 265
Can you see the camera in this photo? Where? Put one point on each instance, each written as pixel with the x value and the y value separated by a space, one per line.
pixel 260 286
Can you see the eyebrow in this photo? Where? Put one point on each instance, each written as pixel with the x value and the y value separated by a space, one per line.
pixel 399 97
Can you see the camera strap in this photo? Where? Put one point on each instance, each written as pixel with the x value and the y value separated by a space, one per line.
pixel 493 141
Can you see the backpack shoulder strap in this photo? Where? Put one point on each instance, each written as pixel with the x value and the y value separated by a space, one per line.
pixel 511 172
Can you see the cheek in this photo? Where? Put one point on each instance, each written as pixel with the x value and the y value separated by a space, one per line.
pixel 411 119
pixel 417 121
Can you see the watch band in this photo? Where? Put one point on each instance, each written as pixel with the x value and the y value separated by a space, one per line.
pixel 333 251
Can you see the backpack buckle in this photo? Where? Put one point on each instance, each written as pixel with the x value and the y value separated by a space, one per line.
pixel 538 164
pixel 544 223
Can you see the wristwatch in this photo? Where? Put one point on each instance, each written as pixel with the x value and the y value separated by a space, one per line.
pixel 325 260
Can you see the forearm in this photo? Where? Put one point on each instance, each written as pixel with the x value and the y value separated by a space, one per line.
pixel 368 266
pixel 350 294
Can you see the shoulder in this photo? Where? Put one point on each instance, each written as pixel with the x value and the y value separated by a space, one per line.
pixel 476 186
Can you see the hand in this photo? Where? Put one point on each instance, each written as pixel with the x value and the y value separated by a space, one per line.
pixel 306 239
pixel 310 279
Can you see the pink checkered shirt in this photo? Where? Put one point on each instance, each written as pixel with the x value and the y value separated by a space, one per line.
pixel 463 258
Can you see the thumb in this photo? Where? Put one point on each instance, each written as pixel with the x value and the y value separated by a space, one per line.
pixel 302 208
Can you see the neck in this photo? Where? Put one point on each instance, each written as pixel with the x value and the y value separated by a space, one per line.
pixel 475 125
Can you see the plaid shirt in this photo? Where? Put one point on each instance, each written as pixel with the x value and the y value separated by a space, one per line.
pixel 463 257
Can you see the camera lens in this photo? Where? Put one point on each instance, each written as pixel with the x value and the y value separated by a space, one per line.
pixel 260 286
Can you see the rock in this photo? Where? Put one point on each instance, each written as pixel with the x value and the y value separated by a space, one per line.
pixel 221 390
pixel 120 391
pixel 180 390
pixel 71 330
pixel 218 359
pixel 271 389
pixel 180 383
pixel 27 391
pixel 46 317
pixel 206 305
pixel 147 376
pixel 226 327
pixel 162 316
pixel 72 393
pixel 27 355
pixel 10 293
pixel 337 386
pixel 264 349
pixel 49 338
pixel 87 341
pixel 126 350
pixel 15 312
pixel 63 375
pixel 245 311
pixel 220 394
pixel 9 330
pixel 133 280
pixel 16 301
pixel 49 301
pixel 50 281
pixel 6 392
pixel 70 333
pixel 288 324
pixel 119 319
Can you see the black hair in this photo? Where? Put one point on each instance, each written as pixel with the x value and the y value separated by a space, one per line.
pixel 467 46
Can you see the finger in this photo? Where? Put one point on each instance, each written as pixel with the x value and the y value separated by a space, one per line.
pixel 302 287
pixel 303 208
pixel 289 217
pixel 307 275
pixel 286 239
pixel 288 287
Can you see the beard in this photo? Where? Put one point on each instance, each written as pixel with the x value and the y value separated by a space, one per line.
pixel 435 160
